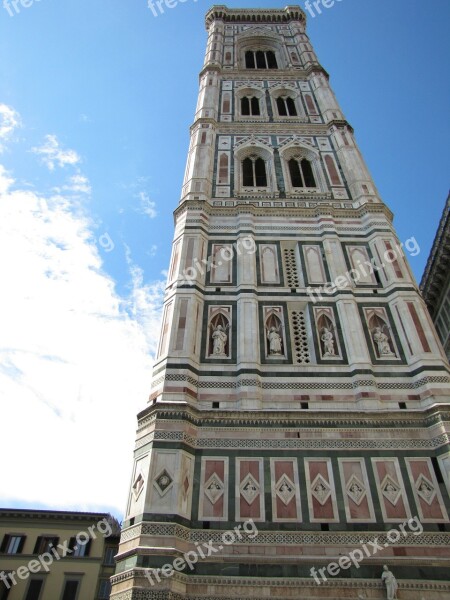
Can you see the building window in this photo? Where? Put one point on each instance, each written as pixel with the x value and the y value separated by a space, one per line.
pixel 44 543
pixel 301 173
pixel 13 544
pixel 70 589
pixel 250 106
pixel 254 172
pixel 110 553
pixel 34 589
pixel 286 107
pixel 104 589
pixel 259 59
pixel 5 587
pixel 79 549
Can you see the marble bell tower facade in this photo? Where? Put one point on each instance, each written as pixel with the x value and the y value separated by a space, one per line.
pixel 296 438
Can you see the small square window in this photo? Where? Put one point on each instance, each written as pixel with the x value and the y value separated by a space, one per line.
pixel 110 553
pixel 34 589
pixel 5 587
pixel 45 543
pixel 79 548
pixel 13 544
pixel 70 589
pixel 104 589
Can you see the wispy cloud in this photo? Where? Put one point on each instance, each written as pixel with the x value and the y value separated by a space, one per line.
pixel 78 184
pixel 9 121
pixel 147 206
pixel 76 355
pixel 53 155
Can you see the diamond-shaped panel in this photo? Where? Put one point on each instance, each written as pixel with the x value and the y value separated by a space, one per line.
pixel 320 489
pixel 390 490
pixel 285 489
pixel 138 485
pixel 249 488
pixel 185 486
pixel 425 489
pixel 355 489
pixel 163 482
pixel 214 488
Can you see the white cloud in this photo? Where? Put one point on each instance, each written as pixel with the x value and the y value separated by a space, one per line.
pixel 78 184
pixel 52 154
pixel 75 357
pixel 5 180
pixel 148 207
pixel 9 120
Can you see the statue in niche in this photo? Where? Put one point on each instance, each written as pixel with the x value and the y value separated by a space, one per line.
pixel 382 342
pixel 275 342
pixel 328 342
pixel 388 578
pixel 219 338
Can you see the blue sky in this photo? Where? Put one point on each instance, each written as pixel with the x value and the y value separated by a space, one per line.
pixel 97 99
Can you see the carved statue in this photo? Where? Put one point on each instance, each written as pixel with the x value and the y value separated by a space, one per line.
pixel 219 341
pixel 389 580
pixel 328 342
pixel 382 342
pixel 274 341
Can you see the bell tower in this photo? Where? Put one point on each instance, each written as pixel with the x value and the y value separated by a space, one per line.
pixel 296 437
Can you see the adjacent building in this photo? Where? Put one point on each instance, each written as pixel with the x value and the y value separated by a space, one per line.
pixel 296 440
pixel 435 284
pixel 56 555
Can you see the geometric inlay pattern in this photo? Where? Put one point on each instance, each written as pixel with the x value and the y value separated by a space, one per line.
pixel 186 485
pixel 425 489
pixel 285 489
pixel 300 338
pixel 291 269
pixel 390 490
pixel 214 488
pixel 138 485
pixel 163 482
pixel 313 538
pixel 320 489
pixel 355 489
pixel 249 488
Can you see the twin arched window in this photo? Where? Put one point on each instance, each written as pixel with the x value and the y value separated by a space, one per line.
pixel 254 172
pixel 250 106
pixel 260 59
pixel 286 106
pixel 301 173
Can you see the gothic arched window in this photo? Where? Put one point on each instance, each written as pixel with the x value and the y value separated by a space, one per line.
pixel 286 106
pixel 250 106
pixel 260 59
pixel 301 173
pixel 254 172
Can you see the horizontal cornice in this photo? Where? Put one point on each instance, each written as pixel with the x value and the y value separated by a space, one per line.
pixel 317 211
pixel 255 16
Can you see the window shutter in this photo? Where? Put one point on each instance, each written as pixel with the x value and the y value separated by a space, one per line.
pixel 4 543
pixel 37 545
pixel 21 544
pixel 88 547
pixel 54 541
